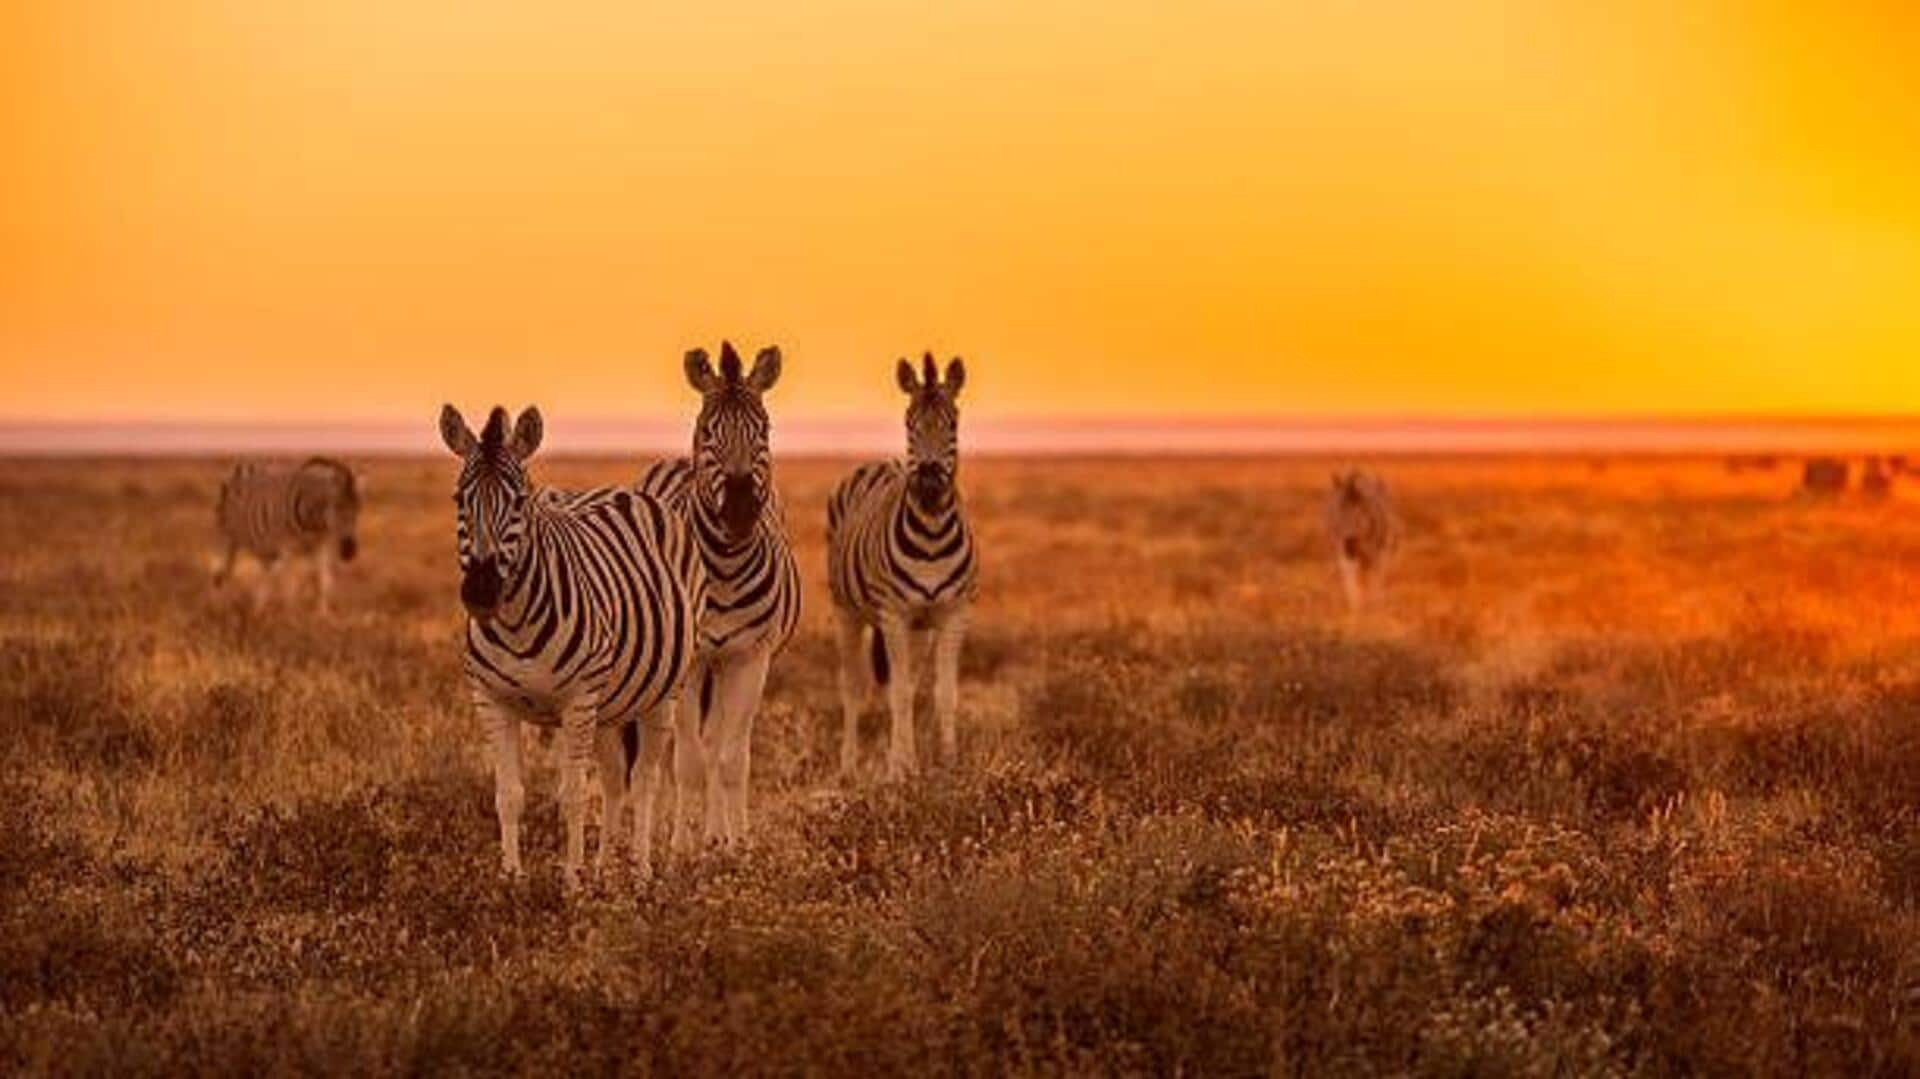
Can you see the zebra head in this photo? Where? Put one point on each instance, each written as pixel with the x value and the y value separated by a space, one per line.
pixel 1353 487
pixel 933 430
pixel 491 496
pixel 732 465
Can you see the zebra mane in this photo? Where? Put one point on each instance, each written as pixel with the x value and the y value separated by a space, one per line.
pixel 494 435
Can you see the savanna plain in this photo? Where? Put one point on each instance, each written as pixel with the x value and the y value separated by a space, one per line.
pixel 1623 777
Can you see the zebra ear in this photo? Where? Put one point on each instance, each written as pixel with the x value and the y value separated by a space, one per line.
pixel 700 372
pixel 455 432
pixel 956 377
pixel 909 382
pixel 527 432
pixel 766 370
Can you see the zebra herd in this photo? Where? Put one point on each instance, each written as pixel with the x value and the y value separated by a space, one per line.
pixel 643 619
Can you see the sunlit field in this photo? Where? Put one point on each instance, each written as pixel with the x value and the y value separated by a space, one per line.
pixel 1624 777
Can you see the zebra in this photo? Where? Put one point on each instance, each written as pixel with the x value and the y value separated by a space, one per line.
pixel 1365 534
pixel 311 509
pixel 902 566
pixel 582 611
pixel 725 490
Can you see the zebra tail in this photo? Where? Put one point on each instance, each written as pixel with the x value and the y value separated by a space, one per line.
pixel 630 734
pixel 630 744
pixel 882 668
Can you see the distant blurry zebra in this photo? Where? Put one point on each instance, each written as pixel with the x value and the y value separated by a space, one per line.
pixel 725 490
pixel 1365 534
pixel 1824 476
pixel 902 566
pixel 582 613
pixel 271 511
pixel 1876 479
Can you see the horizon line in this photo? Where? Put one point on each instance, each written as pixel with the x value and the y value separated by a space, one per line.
pixel 1250 434
pixel 1357 417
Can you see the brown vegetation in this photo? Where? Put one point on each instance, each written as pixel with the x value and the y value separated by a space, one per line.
pixel 1626 778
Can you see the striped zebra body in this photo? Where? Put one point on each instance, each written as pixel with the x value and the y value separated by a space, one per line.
pixel 1365 533
pixel 604 572
pixel 903 569
pixel 753 588
pixel 583 613
pixel 275 512
pixel 724 490
pixel 888 557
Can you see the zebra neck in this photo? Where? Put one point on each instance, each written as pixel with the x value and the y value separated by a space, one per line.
pixel 928 525
pixel 519 585
pixel 712 532
pixel 309 511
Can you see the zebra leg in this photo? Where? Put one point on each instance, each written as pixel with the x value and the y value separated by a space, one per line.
pixel 900 751
pixel 922 659
pixel 611 763
pixel 323 579
pixel 951 634
pixel 509 783
pixel 225 573
pixel 284 581
pixel 576 754
pixel 736 701
pixel 262 584
pixel 856 682
pixel 713 720
pixel 689 762
pixel 1350 582
pixel 649 773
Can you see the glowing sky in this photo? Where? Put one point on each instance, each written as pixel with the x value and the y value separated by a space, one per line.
pixel 359 208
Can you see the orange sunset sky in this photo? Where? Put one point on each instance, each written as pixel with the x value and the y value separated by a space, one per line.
pixel 360 208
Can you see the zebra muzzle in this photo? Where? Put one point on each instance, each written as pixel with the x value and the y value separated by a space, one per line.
pixel 480 588
pixel 928 484
pixel 739 505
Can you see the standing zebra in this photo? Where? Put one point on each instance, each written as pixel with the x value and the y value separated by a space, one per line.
pixel 902 565
pixel 725 490
pixel 1365 534
pixel 271 510
pixel 582 610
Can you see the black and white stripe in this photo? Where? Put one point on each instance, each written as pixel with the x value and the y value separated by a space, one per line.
pixel 273 512
pixel 583 611
pixel 725 490
pixel 903 567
